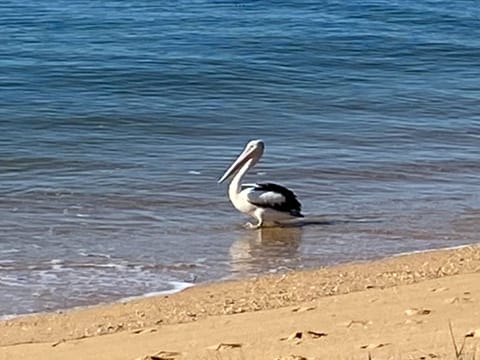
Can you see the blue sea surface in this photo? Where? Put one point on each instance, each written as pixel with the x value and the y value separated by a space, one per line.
pixel 118 117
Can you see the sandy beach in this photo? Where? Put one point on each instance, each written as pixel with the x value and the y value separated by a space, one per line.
pixel 395 308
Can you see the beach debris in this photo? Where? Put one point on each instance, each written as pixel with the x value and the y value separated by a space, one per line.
pixel 139 313
pixel 299 309
pixel 440 289
pixel 143 331
pixel 417 311
pixel 428 356
pixel 230 308
pixel 452 300
pixel 162 355
pixel 292 357
pixel 373 346
pixel 297 335
pixel 56 343
pixel 224 346
pixel 474 333
pixel 191 314
pixel 109 328
pixel 364 323
pixel 101 330
pixel 456 299
pixel 316 334
pixel 233 310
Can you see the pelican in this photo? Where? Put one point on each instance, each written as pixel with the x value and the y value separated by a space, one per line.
pixel 268 203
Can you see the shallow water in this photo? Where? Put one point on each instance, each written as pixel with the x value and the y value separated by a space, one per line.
pixel 116 120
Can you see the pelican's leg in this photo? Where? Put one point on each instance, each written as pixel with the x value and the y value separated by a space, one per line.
pixel 249 225
pixel 259 224
pixel 258 214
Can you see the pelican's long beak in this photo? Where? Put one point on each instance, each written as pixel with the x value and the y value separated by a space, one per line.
pixel 237 164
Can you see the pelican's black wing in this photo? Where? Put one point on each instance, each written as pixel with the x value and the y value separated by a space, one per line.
pixel 274 196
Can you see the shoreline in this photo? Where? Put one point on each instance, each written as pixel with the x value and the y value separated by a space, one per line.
pixel 179 286
pixel 233 298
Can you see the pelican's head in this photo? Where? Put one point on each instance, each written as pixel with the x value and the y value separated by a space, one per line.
pixel 253 152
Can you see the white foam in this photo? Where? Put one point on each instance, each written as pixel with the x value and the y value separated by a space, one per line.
pixel 9 251
pixel 177 287
pixel 430 250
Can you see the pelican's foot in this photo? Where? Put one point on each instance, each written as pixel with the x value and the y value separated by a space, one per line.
pixel 249 225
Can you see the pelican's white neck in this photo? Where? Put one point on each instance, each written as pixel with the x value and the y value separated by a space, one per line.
pixel 235 185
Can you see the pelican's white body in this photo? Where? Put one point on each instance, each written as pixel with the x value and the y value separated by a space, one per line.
pixel 265 216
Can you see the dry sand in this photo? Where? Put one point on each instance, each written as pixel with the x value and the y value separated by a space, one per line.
pixel 396 308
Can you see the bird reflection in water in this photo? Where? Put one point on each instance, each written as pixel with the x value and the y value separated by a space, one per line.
pixel 266 250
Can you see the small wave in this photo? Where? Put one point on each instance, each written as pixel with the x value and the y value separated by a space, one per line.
pixel 177 286
pixel 423 251
pixel 97 255
pixel 9 251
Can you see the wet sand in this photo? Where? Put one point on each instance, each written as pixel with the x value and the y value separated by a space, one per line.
pixel 395 308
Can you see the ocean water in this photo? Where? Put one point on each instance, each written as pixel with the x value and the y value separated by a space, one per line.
pixel 118 117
